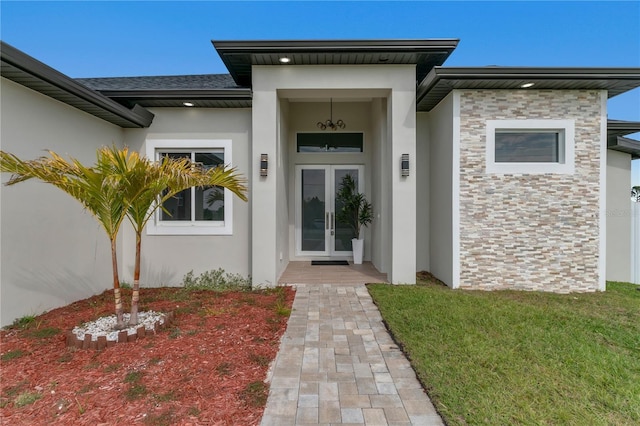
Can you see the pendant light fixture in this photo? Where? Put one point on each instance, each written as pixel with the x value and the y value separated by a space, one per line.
pixel 329 124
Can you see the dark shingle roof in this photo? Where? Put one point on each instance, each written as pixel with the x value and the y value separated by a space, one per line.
pixel 204 91
pixel 164 82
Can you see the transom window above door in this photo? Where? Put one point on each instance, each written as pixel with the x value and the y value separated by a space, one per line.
pixel 330 142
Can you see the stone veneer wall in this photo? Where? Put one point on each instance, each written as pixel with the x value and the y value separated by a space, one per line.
pixel 529 231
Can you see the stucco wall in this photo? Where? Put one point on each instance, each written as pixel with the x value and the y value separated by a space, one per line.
pixel 380 229
pixel 167 258
pixel 635 243
pixel 422 167
pixel 441 190
pixel 281 168
pixel 619 216
pixel 52 251
pixel 530 231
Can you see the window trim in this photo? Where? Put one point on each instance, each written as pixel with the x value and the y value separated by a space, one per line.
pixel 566 154
pixel 158 227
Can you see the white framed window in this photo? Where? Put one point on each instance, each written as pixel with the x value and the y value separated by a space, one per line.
pixel 530 146
pixel 194 211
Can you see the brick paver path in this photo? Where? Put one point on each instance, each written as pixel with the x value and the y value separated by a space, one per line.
pixel 337 364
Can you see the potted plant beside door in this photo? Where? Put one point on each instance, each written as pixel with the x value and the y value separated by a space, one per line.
pixel 355 212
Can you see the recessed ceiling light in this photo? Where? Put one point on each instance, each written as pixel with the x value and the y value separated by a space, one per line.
pixel 284 60
pixel 187 104
pixel 526 85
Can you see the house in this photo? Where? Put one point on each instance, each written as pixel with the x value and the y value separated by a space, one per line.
pixel 489 177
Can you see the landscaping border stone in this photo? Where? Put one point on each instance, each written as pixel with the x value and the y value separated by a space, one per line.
pixel 101 342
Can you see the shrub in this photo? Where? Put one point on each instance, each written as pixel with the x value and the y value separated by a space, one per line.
pixel 217 280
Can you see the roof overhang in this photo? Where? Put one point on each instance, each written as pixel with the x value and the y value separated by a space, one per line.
pixel 616 140
pixel 29 72
pixel 622 128
pixel 240 56
pixel 441 81
pixel 627 145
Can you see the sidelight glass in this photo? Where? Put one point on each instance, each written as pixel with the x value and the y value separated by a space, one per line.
pixel 343 231
pixel 313 210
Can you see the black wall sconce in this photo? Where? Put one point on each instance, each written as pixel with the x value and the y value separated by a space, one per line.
pixel 264 165
pixel 404 165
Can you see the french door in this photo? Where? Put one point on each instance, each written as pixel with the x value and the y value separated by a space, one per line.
pixel 318 231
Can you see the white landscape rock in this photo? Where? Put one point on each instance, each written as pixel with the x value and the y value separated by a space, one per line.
pixel 105 326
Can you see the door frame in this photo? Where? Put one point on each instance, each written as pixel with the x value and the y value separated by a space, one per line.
pixel 329 251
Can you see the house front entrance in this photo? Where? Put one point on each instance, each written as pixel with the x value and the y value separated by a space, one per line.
pixel 319 233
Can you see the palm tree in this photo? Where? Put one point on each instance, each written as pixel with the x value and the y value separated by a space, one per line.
pixel 91 186
pixel 149 185
pixel 121 184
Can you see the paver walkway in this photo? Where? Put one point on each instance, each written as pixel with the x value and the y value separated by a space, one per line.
pixel 337 364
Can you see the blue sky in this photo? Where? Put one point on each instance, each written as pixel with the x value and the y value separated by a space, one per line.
pixel 122 38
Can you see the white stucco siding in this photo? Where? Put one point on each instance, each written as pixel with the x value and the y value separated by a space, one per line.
pixel 380 252
pixel 264 247
pixel 52 251
pixel 403 188
pixel 167 258
pixel 422 167
pixel 619 216
pixel 441 131
pixel 635 243
pixel 280 167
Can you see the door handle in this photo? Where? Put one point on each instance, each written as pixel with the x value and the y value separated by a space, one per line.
pixel 326 220
pixel 332 221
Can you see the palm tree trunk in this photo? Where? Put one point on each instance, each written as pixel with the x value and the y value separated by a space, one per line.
pixel 135 296
pixel 116 286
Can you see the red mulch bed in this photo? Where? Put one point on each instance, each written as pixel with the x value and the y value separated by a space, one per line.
pixel 206 367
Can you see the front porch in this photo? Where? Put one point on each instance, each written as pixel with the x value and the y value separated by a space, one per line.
pixel 293 206
pixel 304 273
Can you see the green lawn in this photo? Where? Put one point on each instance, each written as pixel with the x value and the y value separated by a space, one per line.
pixel 502 358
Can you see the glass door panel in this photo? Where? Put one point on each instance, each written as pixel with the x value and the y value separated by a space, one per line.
pixel 343 231
pixel 318 232
pixel 314 208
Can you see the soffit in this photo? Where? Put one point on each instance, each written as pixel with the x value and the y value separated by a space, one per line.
pixel 200 98
pixel 441 81
pixel 240 56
